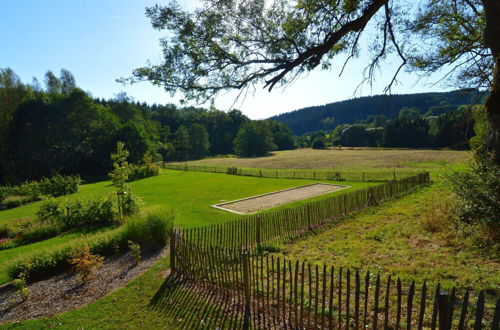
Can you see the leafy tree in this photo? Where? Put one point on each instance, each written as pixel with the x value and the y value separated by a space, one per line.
pixel 121 168
pixel 282 135
pixel 253 139
pixel 135 139
pixel 68 82
pixel 409 113
pixel 318 143
pixel 52 83
pixel 240 44
pixel 198 141
pixel 181 143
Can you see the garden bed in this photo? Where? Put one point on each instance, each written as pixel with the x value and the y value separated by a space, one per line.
pixel 261 202
pixel 65 292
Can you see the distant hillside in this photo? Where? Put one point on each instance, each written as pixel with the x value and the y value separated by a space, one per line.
pixel 327 117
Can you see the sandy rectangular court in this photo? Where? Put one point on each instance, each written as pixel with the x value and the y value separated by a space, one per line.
pixel 261 202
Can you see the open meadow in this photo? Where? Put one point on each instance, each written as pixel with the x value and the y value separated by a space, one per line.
pixel 359 159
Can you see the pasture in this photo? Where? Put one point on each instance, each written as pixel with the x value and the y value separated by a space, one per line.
pixel 358 159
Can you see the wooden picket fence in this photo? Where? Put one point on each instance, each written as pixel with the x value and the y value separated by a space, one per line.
pixel 372 176
pixel 254 230
pixel 229 260
pixel 278 293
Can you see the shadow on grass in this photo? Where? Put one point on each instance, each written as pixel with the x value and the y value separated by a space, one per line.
pixel 193 305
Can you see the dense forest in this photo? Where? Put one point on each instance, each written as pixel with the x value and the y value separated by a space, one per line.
pixel 328 117
pixel 60 128
pixel 440 127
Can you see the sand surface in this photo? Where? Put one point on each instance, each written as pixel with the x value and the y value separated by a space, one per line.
pixel 266 201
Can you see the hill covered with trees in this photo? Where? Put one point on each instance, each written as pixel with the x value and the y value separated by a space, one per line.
pixel 61 128
pixel 372 108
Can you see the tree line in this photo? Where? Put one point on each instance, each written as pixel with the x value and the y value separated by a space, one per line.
pixel 443 126
pixel 61 128
pixel 327 117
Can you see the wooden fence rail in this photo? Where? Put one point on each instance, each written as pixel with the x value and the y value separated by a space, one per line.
pixel 279 293
pixel 373 176
pixel 254 231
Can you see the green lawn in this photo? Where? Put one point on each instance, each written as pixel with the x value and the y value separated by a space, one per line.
pixel 189 194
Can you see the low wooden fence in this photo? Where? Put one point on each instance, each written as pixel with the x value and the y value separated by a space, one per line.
pixel 375 176
pixel 255 230
pixel 278 293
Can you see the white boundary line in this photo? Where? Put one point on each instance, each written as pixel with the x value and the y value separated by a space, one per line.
pixel 220 207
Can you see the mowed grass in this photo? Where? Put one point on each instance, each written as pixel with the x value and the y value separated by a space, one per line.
pixel 189 194
pixel 391 239
pixel 363 159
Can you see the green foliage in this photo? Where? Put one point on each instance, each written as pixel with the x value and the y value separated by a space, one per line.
pixel 478 193
pixel 85 263
pixel 59 185
pixel 136 251
pixel 253 139
pixel 138 172
pixel 78 213
pixel 121 169
pixel 148 231
pixel 198 141
pixel 21 287
pixel 131 204
pixel 318 143
pixel 480 127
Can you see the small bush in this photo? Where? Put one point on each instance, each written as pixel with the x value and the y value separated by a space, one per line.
pixel 59 185
pixel 136 251
pixel 85 263
pixel 78 213
pixel 131 203
pixel 21 287
pixel 138 172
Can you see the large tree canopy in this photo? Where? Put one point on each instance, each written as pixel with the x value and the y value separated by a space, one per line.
pixel 238 44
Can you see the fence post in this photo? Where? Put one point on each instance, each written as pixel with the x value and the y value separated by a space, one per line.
pixel 309 216
pixel 173 265
pixel 246 288
pixel 363 176
pixel 443 302
pixel 257 230
pixel 394 176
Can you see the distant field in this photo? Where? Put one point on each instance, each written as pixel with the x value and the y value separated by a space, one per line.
pixel 366 159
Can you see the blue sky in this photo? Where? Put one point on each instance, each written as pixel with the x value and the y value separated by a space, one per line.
pixel 102 40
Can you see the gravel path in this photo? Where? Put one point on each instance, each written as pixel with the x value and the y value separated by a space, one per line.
pixel 273 199
pixel 65 292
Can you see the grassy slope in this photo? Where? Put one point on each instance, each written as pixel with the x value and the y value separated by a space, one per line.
pixel 390 238
pixel 366 159
pixel 190 194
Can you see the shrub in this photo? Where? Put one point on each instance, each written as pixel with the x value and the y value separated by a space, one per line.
pixel 478 193
pixel 131 204
pixel 85 263
pixel 49 211
pixel 78 213
pixel 21 287
pixel 318 143
pixel 138 172
pixel 59 185
pixel 146 231
pixel 136 251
